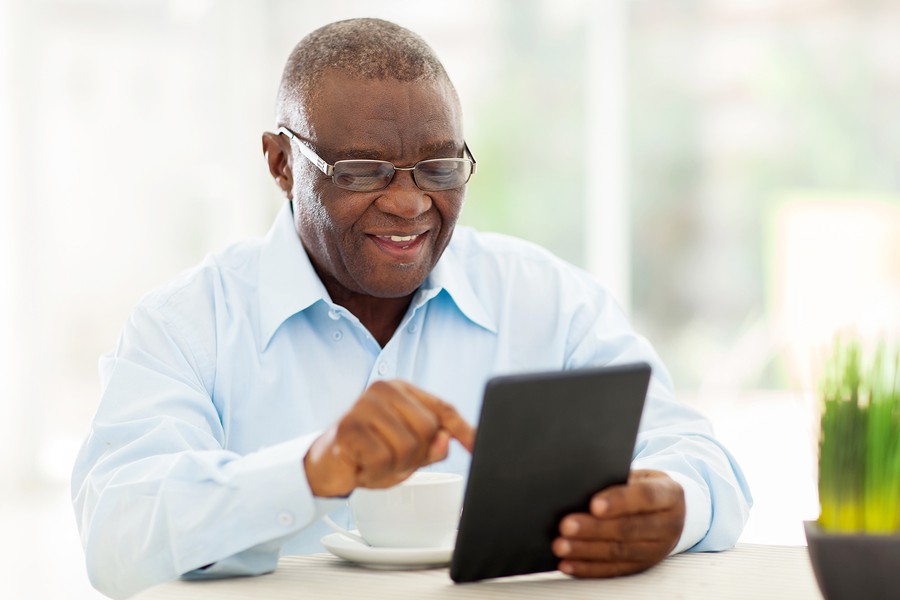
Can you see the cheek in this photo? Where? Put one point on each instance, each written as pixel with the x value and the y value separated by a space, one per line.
pixel 312 220
pixel 450 207
pixel 309 197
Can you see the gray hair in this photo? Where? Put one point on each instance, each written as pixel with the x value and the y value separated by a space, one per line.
pixel 363 48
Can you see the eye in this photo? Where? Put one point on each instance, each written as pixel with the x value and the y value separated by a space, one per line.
pixel 441 170
pixel 362 175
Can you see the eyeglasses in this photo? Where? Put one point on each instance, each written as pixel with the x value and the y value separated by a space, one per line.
pixel 433 175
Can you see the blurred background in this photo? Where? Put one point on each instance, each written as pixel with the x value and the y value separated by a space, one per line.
pixel 730 168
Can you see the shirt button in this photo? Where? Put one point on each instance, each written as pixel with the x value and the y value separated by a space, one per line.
pixel 333 314
pixel 337 335
pixel 382 369
pixel 412 328
pixel 285 519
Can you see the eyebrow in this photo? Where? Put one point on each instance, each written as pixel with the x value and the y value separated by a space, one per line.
pixel 442 149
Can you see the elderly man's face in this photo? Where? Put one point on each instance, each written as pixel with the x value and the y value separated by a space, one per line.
pixel 360 242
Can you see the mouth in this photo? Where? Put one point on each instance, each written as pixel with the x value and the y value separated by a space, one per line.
pixel 404 247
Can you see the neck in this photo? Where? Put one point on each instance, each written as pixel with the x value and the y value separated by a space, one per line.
pixel 381 316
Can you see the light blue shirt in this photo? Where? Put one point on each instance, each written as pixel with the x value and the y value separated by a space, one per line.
pixel 223 378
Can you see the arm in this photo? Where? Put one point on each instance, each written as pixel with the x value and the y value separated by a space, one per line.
pixel 686 491
pixel 156 493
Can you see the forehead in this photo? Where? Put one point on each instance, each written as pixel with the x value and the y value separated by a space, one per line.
pixel 378 113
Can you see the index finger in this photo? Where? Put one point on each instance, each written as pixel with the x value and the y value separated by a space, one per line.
pixel 644 494
pixel 447 415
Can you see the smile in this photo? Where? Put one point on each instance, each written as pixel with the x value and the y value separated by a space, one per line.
pixel 404 248
pixel 399 238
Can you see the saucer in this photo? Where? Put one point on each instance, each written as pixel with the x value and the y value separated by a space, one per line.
pixel 386 558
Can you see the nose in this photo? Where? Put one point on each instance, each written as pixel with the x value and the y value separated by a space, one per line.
pixel 403 198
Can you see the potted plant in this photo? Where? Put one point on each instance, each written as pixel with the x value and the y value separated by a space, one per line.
pixel 854 546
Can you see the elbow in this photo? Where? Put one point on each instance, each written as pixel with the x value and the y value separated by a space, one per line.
pixel 111 569
pixel 122 554
pixel 729 517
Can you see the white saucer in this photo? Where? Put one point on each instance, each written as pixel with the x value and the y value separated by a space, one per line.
pixel 386 558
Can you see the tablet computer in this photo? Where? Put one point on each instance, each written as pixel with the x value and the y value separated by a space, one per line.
pixel 545 444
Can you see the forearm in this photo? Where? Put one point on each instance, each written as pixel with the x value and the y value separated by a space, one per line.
pixel 153 517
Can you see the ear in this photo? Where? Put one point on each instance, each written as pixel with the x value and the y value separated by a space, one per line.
pixel 277 150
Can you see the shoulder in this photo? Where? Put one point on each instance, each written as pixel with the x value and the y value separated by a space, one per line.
pixel 194 302
pixel 233 270
pixel 491 258
pixel 183 317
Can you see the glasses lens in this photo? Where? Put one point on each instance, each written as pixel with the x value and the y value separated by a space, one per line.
pixel 362 175
pixel 442 173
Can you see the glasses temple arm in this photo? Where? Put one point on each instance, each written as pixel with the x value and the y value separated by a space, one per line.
pixel 471 157
pixel 307 152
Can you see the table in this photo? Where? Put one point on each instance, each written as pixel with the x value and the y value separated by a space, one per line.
pixel 748 571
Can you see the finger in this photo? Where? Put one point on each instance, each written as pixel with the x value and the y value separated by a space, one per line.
pixel 593 569
pixel 642 494
pixel 439 448
pixel 448 417
pixel 371 453
pixel 329 471
pixel 396 418
pixel 609 551
pixel 418 419
pixel 647 527
pixel 407 426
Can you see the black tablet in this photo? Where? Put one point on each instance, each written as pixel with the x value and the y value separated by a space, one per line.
pixel 546 443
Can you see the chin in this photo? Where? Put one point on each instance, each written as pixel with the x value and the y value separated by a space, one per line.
pixel 402 282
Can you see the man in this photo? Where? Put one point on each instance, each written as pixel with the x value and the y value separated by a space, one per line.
pixel 350 347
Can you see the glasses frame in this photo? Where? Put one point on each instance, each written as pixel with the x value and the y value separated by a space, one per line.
pixel 328 169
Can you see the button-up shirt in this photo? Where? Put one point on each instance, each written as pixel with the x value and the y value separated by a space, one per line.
pixel 222 379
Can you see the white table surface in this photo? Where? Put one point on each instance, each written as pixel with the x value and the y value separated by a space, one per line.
pixel 747 571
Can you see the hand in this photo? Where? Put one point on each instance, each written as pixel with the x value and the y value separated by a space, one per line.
pixel 629 528
pixel 393 429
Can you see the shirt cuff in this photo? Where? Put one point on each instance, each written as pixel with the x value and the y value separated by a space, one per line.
pixel 268 500
pixel 697 512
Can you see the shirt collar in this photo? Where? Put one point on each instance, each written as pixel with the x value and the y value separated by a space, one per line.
pixel 288 284
pixel 450 275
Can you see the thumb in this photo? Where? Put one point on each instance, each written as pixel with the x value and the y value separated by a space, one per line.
pixel 440 447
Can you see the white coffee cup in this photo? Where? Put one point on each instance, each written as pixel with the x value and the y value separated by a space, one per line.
pixel 421 512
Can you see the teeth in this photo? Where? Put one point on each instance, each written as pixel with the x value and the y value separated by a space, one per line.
pixel 402 238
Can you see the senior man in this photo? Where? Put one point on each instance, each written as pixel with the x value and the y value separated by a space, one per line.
pixel 350 347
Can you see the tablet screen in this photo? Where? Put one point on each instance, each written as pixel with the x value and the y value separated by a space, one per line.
pixel 545 444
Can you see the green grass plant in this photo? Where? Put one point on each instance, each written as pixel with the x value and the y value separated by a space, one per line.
pixel 859 440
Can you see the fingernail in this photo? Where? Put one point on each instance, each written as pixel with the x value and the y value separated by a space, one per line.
pixel 569 527
pixel 566 568
pixel 598 507
pixel 563 547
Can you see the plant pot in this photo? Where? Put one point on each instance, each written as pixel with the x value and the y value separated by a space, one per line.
pixel 854 566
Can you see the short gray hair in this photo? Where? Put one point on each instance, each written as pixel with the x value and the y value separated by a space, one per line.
pixel 363 48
